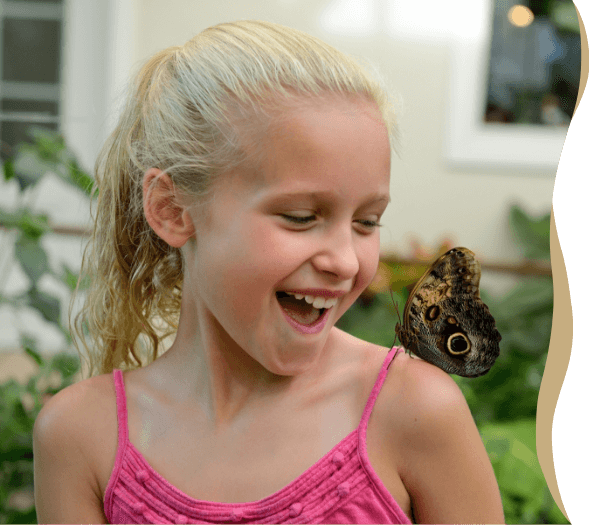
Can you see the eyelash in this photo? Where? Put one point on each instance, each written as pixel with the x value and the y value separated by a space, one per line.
pixel 309 218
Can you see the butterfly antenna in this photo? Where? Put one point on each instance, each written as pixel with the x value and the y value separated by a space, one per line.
pixel 395 304
pixel 398 316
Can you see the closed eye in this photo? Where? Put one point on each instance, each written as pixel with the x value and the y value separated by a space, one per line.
pixel 299 220
pixel 371 225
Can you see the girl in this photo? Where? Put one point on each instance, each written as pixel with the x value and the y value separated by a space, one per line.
pixel 239 203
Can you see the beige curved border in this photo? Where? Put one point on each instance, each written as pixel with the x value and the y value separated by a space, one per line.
pixel 560 346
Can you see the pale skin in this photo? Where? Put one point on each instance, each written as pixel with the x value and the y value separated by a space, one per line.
pixel 249 359
pixel 241 395
pixel 247 228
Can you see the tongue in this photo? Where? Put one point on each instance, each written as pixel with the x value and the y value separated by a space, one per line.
pixel 299 309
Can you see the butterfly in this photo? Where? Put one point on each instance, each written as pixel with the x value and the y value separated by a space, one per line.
pixel 445 321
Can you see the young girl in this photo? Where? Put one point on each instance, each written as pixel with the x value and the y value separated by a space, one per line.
pixel 239 202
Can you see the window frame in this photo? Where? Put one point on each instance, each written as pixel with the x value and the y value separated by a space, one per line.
pixel 96 56
pixel 31 91
pixel 471 142
pixel 99 52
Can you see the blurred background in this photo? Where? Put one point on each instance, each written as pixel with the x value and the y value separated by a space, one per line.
pixel 485 90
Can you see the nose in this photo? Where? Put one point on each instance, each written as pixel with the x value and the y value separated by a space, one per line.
pixel 338 255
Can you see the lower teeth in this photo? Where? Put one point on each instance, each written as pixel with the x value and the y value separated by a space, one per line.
pixel 300 311
pixel 307 318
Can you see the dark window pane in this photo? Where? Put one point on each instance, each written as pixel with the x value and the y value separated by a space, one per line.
pixel 40 1
pixel 31 50
pixel 535 62
pixel 33 106
pixel 13 133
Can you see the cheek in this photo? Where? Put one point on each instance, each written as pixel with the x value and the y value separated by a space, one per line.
pixel 273 253
pixel 368 254
pixel 242 265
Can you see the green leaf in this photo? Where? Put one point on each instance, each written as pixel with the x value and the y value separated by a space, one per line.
pixel 9 170
pixel 564 16
pixel 79 178
pixel 30 348
pixel 10 219
pixel 51 150
pixel 32 257
pixel 15 421
pixel 527 298
pixel 532 234
pixel 68 277
pixel 34 226
pixel 46 304
pixel 66 364
pixel 29 169
pixel 512 451
pixel 49 144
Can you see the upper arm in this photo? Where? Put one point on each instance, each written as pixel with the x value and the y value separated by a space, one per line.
pixel 65 488
pixel 445 466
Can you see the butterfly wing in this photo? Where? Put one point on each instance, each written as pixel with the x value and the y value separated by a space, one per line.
pixel 445 321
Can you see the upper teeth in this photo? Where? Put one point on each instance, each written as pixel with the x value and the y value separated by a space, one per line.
pixel 318 302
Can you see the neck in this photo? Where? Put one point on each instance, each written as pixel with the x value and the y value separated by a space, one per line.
pixel 209 366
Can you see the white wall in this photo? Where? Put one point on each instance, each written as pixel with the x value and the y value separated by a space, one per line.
pixel 430 200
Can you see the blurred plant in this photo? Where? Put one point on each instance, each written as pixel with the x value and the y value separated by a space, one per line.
pixel 504 401
pixel 511 447
pixel 21 403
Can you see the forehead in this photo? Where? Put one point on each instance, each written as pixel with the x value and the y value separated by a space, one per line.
pixel 326 140
pixel 337 149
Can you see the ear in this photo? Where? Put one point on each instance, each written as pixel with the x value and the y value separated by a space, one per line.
pixel 171 222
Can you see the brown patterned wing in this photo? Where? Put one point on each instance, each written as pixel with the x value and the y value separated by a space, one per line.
pixel 445 321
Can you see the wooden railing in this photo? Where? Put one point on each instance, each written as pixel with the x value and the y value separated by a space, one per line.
pixel 531 268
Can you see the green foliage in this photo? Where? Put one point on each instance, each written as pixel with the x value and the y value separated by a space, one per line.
pixel 21 403
pixel 47 153
pixel 532 234
pixel 19 409
pixel 525 496
pixel 504 401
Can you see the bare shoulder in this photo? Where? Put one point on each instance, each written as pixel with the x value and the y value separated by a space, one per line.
pixel 440 457
pixel 72 410
pixel 421 404
pixel 423 390
pixel 75 422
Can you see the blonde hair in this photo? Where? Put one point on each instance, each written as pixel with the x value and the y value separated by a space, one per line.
pixel 188 114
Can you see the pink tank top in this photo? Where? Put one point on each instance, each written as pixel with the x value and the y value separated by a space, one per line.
pixel 341 487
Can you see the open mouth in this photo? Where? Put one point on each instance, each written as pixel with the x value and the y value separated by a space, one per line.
pixel 300 309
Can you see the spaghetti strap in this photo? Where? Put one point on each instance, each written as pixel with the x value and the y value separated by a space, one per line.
pixel 122 432
pixel 376 389
pixel 121 407
pixel 362 434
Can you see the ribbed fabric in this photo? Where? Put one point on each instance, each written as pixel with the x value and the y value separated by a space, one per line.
pixel 341 487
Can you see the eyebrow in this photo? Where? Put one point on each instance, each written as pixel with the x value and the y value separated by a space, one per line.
pixel 327 195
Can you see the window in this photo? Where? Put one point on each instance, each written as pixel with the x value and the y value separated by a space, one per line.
pixel 473 143
pixel 63 65
pixel 30 67
pixel 535 62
